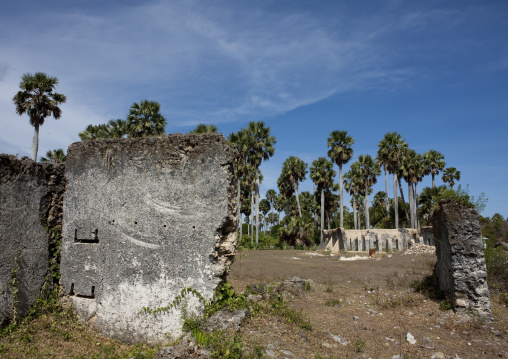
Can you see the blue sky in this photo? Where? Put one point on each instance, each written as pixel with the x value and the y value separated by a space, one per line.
pixel 434 71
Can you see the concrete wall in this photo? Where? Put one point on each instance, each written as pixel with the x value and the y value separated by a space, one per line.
pixel 460 267
pixel 143 219
pixel 340 240
pixel 30 202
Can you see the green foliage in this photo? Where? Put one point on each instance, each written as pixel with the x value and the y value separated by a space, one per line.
pixel 359 345
pixel 445 304
pixel 274 231
pixel 279 307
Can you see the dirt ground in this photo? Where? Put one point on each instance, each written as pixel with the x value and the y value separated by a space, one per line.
pixel 362 309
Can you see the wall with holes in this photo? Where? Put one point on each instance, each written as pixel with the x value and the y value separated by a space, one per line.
pixel 143 219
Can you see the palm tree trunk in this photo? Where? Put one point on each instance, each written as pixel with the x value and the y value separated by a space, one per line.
pixel 433 181
pixel 295 186
pixel 239 206
pixel 403 200
pixel 341 184
pixel 35 141
pixel 367 220
pixel 252 217
pixel 359 217
pixel 395 200
pixel 257 206
pixel 354 212
pixel 322 212
pixel 387 205
pixel 416 206
pixel 410 195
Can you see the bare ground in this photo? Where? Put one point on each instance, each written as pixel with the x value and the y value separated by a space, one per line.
pixel 369 304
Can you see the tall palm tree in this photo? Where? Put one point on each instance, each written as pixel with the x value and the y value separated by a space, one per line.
pixel 279 204
pixel 202 128
pixel 340 152
pixel 54 156
pixel 409 170
pixel 294 171
pixel 450 174
pixel 322 173
pixel 369 170
pixel 382 161
pixel 240 141
pixel 261 150
pixel 264 207
pixel 271 195
pixel 38 100
pixel 390 149
pixel 352 185
pixel 145 119
pixel 434 162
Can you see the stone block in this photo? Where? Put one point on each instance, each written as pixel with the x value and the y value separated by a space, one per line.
pixel 31 202
pixel 460 267
pixel 143 219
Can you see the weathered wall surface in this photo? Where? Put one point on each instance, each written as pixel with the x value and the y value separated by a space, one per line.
pixel 143 219
pixel 31 197
pixel 460 267
pixel 339 240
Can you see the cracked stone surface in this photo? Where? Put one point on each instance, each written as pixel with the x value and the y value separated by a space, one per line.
pixel 143 219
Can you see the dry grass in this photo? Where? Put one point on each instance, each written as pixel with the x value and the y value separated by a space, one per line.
pixel 369 303
pixel 377 292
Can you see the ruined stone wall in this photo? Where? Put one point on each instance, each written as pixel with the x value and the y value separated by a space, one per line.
pixel 339 240
pixel 31 198
pixel 460 267
pixel 143 219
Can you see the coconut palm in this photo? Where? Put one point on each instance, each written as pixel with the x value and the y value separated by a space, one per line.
pixel 369 170
pixel 434 162
pixel 294 171
pixel 144 119
pixel 322 173
pixel 38 101
pixel 450 174
pixel 202 128
pixel 390 150
pixel 340 152
pixel 261 150
pixel 54 156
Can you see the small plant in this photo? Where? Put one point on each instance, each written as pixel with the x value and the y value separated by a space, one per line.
pixel 279 307
pixel 445 304
pixel 329 289
pixel 333 303
pixel 359 345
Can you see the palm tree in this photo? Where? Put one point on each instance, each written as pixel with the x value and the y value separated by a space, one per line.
pixel 279 204
pixel 202 128
pixel 261 150
pixel 145 119
pixel 264 207
pixel 118 128
pixel 38 101
pixel 271 195
pixel 369 170
pixel 54 156
pixel 240 143
pixel 390 150
pixel 340 152
pixel 434 162
pixel 411 169
pixel 294 171
pixel 382 161
pixel 322 173
pixel 351 184
pixel 451 174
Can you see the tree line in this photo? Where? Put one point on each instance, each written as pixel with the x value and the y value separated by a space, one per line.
pixel 255 144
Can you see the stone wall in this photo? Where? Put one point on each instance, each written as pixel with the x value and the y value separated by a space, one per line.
pixel 31 197
pixel 460 267
pixel 144 219
pixel 340 240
